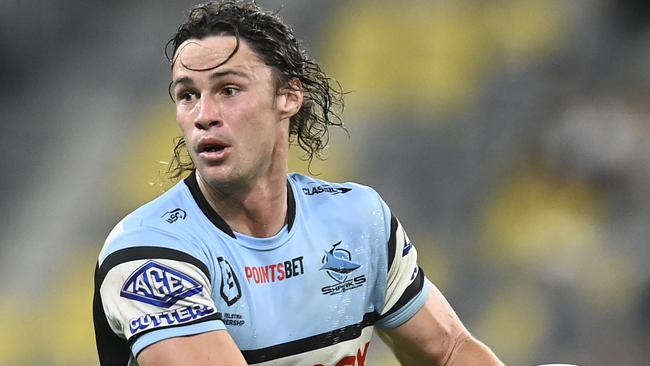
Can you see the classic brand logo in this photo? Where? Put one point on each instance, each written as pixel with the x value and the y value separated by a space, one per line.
pixel 173 215
pixel 337 263
pixel 160 285
pixel 309 191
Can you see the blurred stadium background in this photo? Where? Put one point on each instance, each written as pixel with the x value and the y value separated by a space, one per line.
pixel 512 137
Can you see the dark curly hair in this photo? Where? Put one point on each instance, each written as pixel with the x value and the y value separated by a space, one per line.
pixel 275 44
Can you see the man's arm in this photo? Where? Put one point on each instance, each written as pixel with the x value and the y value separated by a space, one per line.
pixel 436 336
pixel 215 348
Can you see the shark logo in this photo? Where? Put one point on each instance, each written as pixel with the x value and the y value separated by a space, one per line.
pixel 337 262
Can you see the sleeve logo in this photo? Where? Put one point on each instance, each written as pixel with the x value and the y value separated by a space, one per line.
pixel 160 285
pixel 407 247
pixel 170 317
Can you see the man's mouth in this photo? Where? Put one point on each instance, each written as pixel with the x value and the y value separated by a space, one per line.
pixel 211 150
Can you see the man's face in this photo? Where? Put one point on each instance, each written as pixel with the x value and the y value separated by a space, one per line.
pixel 229 116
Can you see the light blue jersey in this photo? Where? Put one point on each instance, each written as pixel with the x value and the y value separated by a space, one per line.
pixel 310 295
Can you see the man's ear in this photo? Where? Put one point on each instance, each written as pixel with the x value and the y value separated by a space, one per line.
pixel 290 98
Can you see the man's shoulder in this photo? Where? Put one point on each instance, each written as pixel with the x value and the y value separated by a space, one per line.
pixel 356 202
pixel 310 186
pixel 162 221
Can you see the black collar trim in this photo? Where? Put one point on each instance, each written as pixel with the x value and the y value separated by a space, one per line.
pixel 291 207
pixel 203 204
pixel 219 222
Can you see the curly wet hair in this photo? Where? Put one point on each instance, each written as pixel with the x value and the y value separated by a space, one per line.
pixel 274 42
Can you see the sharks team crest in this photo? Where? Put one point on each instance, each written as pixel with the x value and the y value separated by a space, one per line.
pixel 338 264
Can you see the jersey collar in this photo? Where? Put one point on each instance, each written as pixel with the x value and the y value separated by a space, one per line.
pixel 217 220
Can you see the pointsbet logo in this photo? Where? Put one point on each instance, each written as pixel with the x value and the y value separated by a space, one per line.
pixel 275 272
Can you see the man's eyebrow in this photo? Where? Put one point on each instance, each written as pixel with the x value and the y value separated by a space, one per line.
pixel 181 80
pixel 214 75
pixel 223 73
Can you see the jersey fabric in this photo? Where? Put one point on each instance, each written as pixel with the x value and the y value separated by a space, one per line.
pixel 310 295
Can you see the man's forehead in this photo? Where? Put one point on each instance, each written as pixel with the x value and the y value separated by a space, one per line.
pixel 206 53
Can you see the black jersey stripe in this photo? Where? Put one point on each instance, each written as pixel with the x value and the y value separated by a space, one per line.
pixel 409 293
pixel 111 349
pixel 310 343
pixel 392 241
pixel 217 220
pixel 146 252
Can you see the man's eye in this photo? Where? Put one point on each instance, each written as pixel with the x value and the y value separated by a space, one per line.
pixel 186 96
pixel 229 91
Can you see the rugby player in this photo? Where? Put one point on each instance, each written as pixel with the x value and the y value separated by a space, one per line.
pixel 242 263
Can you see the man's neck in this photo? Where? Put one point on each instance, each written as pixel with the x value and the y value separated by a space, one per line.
pixel 258 210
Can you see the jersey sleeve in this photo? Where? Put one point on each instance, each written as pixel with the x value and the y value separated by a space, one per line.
pixel 406 285
pixel 151 289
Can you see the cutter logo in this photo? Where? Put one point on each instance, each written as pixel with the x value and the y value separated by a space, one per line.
pixel 337 263
pixel 170 317
pixel 157 284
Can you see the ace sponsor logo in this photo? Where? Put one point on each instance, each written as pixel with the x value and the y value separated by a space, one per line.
pixel 160 285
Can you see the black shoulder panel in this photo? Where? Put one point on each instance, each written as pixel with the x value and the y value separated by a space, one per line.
pixel 111 349
pixel 391 241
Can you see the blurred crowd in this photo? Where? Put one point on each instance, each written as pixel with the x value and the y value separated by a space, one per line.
pixel 511 137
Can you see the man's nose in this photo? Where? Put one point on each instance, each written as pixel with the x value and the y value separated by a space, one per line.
pixel 208 115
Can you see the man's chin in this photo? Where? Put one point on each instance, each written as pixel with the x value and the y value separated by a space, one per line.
pixel 218 177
